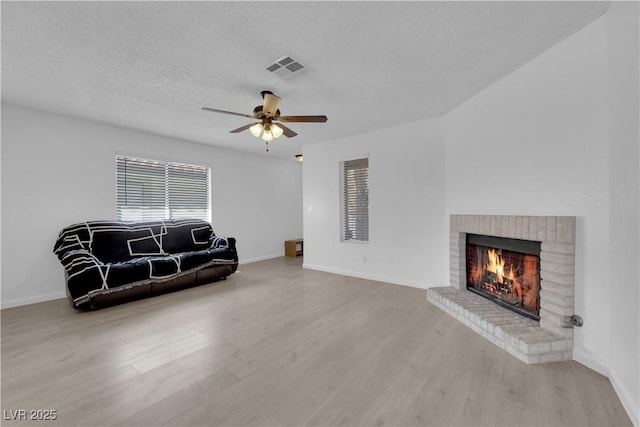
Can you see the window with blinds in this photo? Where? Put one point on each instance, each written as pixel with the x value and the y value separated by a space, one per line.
pixel 355 200
pixel 150 190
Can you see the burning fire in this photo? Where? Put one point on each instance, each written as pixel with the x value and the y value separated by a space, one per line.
pixel 495 264
pixel 510 277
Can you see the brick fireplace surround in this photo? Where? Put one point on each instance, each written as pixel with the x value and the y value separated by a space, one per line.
pixel 549 340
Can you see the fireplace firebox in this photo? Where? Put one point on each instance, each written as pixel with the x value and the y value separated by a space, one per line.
pixel 505 271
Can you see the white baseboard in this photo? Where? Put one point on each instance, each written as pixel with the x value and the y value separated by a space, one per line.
pixel 32 300
pixel 630 406
pixel 260 258
pixel 587 359
pixel 359 275
pixel 625 398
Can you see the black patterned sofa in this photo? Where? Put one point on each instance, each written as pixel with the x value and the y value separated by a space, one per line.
pixel 109 262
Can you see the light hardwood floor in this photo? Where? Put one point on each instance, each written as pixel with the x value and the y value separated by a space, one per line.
pixel 279 345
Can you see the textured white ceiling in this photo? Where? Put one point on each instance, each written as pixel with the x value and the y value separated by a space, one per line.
pixel 153 65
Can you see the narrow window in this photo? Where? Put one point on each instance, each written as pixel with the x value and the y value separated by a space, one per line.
pixel 355 200
pixel 150 190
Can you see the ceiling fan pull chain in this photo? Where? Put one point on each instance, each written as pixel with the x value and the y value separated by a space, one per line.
pixel 267 145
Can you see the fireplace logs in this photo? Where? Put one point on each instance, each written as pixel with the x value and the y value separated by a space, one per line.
pixel 506 271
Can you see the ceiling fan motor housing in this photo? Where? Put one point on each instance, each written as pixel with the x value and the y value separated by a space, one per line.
pixel 257 112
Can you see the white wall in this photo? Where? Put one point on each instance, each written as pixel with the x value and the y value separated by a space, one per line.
pixel 536 143
pixel 624 195
pixel 57 171
pixel 559 136
pixel 407 226
pixel 562 135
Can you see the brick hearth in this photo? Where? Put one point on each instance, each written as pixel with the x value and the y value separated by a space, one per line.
pixel 549 340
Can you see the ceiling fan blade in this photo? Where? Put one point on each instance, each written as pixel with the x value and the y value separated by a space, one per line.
pixel 241 128
pixel 227 112
pixel 302 119
pixel 271 104
pixel 286 131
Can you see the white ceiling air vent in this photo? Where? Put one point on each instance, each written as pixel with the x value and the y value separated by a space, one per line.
pixel 288 68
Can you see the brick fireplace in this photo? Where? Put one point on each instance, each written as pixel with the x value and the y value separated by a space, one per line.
pixel 547 340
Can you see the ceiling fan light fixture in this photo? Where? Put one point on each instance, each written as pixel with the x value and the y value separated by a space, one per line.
pixel 267 136
pixel 276 131
pixel 256 130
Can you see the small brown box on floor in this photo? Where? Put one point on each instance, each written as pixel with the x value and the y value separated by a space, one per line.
pixel 293 247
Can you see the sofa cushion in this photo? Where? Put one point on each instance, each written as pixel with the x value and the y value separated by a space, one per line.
pixel 189 260
pixel 186 236
pixel 122 243
pixel 161 267
pixel 123 273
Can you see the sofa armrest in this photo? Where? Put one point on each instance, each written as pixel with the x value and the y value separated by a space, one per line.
pixel 223 242
pixel 79 259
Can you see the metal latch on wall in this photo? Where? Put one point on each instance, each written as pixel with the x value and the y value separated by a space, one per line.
pixel 572 321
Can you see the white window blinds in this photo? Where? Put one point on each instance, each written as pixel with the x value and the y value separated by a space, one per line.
pixel 152 190
pixel 355 200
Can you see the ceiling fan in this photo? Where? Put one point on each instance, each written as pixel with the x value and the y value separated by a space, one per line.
pixel 269 125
